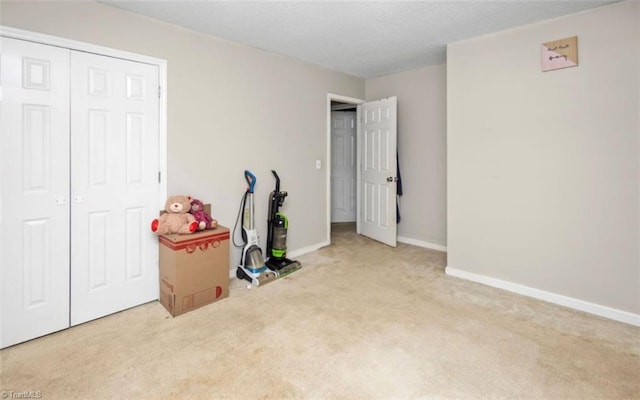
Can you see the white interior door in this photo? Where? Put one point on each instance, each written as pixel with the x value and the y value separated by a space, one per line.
pixel 34 190
pixel 378 170
pixel 114 184
pixel 343 166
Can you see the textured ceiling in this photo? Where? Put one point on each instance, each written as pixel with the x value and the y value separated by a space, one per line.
pixel 361 38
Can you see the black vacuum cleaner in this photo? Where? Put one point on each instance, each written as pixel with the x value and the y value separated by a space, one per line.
pixel 277 225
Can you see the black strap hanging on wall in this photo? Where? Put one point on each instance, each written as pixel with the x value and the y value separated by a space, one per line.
pixel 399 188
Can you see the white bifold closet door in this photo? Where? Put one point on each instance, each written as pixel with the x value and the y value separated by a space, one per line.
pixel 34 184
pixel 79 186
pixel 114 184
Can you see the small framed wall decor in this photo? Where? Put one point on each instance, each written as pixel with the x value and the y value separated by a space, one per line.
pixel 558 54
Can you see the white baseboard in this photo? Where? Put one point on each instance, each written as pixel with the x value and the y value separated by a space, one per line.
pixel 576 304
pixel 306 250
pixel 421 243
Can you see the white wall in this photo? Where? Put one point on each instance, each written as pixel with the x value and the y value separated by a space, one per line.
pixel 230 108
pixel 543 167
pixel 422 150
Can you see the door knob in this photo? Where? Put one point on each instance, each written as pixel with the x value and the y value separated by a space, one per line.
pixel 78 198
pixel 392 179
pixel 60 200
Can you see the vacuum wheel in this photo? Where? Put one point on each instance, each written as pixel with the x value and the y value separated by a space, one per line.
pixel 240 273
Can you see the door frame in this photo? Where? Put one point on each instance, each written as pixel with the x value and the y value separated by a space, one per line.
pixel 41 38
pixel 349 100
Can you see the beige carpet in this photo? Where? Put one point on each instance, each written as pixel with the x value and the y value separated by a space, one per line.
pixel 359 321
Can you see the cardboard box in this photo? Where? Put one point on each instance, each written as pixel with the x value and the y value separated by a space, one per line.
pixel 194 269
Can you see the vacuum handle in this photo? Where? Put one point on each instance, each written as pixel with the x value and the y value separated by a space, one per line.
pixel 251 180
pixel 275 175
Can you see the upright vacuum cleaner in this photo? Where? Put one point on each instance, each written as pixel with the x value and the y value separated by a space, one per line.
pixel 252 266
pixel 277 225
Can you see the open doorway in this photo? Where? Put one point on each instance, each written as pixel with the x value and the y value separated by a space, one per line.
pixel 342 174
pixel 343 166
pixel 376 167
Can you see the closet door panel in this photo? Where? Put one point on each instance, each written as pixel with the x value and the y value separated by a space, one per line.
pixel 114 184
pixel 34 189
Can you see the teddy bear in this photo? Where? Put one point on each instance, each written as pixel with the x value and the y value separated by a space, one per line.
pixel 204 220
pixel 176 219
